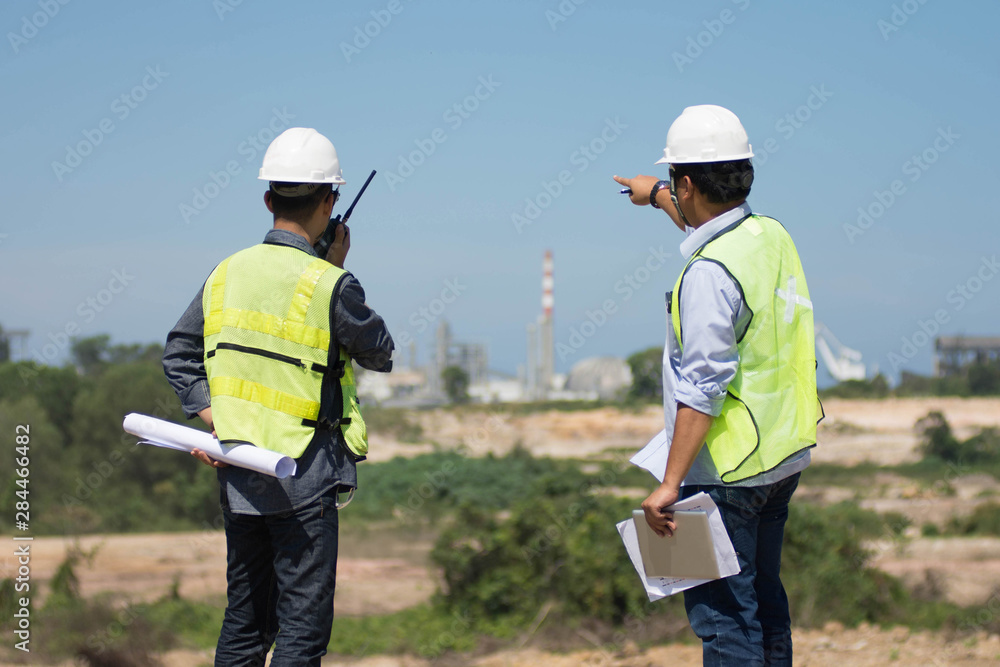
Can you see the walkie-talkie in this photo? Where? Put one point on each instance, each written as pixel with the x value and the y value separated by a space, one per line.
pixel 322 246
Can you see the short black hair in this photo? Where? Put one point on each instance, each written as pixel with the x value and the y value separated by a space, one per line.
pixel 720 182
pixel 298 208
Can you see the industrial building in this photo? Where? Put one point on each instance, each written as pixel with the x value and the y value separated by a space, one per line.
pixel 604 378
pixel 412 384
pixel 953 354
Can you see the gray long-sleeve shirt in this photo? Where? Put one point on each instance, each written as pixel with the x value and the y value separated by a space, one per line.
pixel 326 463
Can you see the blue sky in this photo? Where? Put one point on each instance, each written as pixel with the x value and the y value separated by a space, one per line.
pixel 130 140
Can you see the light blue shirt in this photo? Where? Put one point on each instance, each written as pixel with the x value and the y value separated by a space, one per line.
pixel 713 317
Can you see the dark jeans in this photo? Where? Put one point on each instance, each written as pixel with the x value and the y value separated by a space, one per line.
pixel 743 619
pixel 281 576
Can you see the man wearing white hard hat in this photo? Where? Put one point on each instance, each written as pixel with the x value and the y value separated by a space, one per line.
pixel 739 380
pixel 264 355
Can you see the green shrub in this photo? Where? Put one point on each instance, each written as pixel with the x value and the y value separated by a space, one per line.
pixel 397 422
pixel 826 574
pixel 8 601
pixel 984 378
pixel 938 441
pixel 976 379
pixel 426 630
pixel 425 486
pixel 877 387
pixel 647 374
pixel 984 447
pixel 867 524
pixel 936 438
pixel 832 474
pixel 558 551
pixel 984 520
pixel 100 632
pixel 930 530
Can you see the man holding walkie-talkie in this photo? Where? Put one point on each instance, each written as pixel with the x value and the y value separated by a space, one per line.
pixel 264 354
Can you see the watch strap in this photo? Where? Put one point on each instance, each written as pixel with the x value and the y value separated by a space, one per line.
pixel 656 188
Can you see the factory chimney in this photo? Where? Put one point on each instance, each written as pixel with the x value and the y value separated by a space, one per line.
pixel 546 350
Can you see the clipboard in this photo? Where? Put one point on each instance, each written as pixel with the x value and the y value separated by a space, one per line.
pixel 689 554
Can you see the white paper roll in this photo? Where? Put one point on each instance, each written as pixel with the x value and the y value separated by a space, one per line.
pixel 166 434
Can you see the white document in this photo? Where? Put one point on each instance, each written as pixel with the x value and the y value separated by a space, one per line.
pixel 653 457
pixel 162 433
pixel 725 555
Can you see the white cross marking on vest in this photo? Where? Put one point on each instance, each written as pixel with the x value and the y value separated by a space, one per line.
pixel 792 299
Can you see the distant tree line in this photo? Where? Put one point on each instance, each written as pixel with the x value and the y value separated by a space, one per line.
pixel 86 473
pixel 977 379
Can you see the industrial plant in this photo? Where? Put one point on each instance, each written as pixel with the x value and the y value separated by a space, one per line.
pixel 411 383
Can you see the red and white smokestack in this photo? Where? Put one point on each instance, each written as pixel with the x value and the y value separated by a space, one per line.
pixel 547 283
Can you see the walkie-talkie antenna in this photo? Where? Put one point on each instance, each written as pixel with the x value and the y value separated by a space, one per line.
pixel 347 214
pixel 322 245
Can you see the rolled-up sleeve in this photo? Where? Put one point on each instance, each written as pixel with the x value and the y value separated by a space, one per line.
pixel 709 305
pixel 184 359
pixel 360 330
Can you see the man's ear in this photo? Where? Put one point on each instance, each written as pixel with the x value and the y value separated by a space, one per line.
pixel 686 187
pixel 267 200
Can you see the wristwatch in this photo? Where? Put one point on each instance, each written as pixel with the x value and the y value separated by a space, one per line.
pixel 656 188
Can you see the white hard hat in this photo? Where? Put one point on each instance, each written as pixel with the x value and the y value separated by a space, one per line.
pixel 301 155
pixel 706 133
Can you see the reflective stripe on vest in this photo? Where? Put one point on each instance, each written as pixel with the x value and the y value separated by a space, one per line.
pixel 771 406
pixel 267 340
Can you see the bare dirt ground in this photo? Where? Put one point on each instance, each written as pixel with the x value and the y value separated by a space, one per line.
pixel 144 567
pixel 852 432
pixel 966 571
pixel 832 646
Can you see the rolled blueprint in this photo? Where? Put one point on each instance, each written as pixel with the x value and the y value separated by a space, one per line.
pixel 162 433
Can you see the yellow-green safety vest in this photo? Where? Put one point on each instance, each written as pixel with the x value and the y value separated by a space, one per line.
pixel 267 349
pixel 771 407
